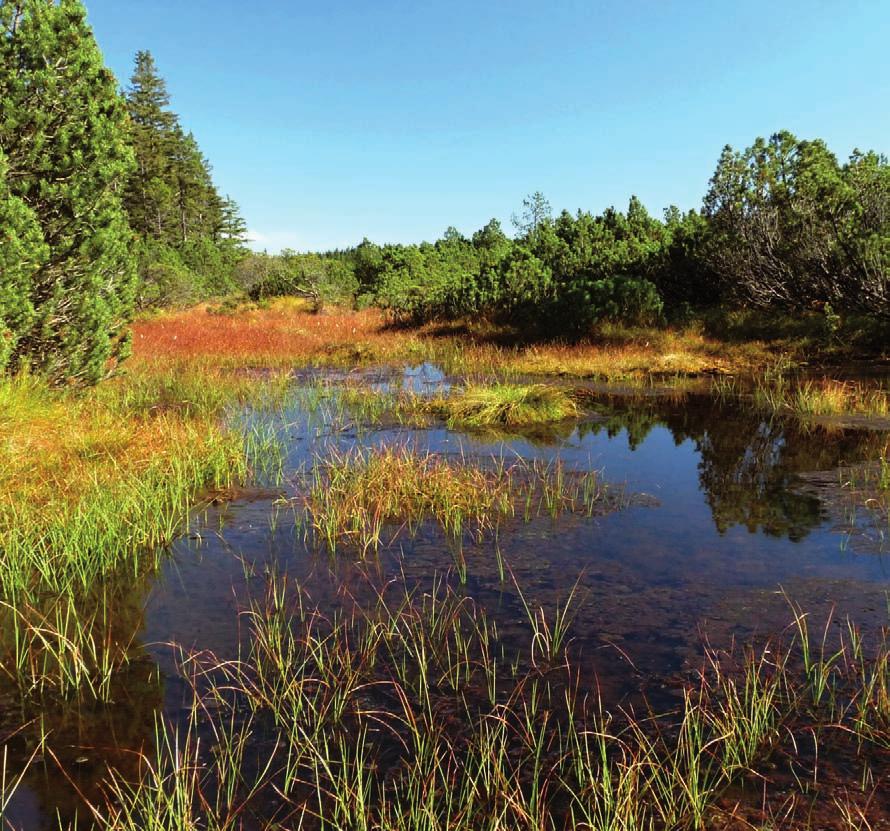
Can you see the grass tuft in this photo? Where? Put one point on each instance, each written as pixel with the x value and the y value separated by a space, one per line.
pixel 353 497
pixel 825 397
pixel 507 405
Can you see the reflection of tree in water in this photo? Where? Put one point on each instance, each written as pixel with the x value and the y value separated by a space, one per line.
pixel 84 737
pixel 636 422
pixel 748 466
pixel 747 476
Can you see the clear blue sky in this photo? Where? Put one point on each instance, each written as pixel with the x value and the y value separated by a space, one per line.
pixel 330 121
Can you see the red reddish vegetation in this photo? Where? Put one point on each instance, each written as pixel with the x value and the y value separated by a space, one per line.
pixel 266 336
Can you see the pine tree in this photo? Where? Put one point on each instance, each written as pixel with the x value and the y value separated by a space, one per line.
pixel 231 230
pixel 149 197
pixel 22 253
pixel 188 243
pixel 63 135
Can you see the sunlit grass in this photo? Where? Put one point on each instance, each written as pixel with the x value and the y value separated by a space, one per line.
pixel 507 405
pixel 353 498
pixel 288 334
pixel 94 482
pixel 825 397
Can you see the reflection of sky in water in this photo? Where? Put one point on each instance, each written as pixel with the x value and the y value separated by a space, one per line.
pixel 425 379
pixel 729 528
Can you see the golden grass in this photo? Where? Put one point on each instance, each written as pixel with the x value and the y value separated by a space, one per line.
pixel 507 405
pixel 355 496
pixel 188 366
pixel 830 397
pixel 824 397
pixel 55 443
pixel 58 446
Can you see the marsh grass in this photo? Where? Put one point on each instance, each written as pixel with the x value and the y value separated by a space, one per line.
pixel 288 334
pixel 95 484
pixel 412 713
pixel 866 488
pixel 506 405
pixel 825 397
pixel 353 497
pixel 480 406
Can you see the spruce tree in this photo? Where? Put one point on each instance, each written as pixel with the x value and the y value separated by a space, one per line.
pixel 149 195
pixel 63 134
pixel 190 237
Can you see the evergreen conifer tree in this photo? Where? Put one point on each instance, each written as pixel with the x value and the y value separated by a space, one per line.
pixel 63 135
pixel 22 253
pixel 191 238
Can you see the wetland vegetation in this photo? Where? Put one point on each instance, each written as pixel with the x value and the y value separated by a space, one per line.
pixel 419 630
pixel 580 528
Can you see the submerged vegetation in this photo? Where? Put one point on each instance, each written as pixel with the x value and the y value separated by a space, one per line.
pixel 414 713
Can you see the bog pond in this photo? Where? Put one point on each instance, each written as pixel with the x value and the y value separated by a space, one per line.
pixel 656 529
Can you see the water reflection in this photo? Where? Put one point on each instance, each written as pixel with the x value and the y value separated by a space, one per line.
pixel 749 467
pixel 731 525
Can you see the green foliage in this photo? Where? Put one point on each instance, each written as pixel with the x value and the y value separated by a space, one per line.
pixel 321 278
pixel 792 228
pixel 683 276
pixel 164 279
pixel 508 405
pixel 429 282
pixel 783 224
pixel 526 286
pixel 67 284
pixel 22 253
pixel 585 255
pixel 192 238
pixel 623 299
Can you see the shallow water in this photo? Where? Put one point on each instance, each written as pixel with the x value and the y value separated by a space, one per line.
pixel 724 528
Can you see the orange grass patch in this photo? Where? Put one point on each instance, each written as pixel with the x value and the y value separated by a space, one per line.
pixel 266 337
pixel 287 333
pixel 69 445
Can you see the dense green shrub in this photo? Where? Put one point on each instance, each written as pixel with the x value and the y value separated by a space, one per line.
pixel 622 299
pixel 783 224
pixel 69 297
pixel 790 228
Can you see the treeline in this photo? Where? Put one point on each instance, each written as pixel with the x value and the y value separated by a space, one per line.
pixel 783 226
pixel 108 205
pixel 105 202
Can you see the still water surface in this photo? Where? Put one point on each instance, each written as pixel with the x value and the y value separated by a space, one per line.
pixel 727 517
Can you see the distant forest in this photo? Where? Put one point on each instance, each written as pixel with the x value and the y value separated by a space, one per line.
pixel 108 206
pixel 783 226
